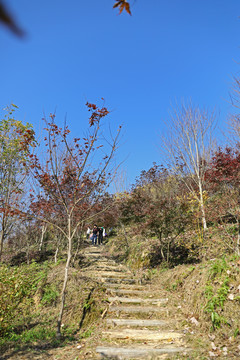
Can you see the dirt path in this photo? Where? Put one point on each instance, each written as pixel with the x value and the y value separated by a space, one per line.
pixel 138 323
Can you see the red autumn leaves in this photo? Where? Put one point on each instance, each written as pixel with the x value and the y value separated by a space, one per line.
pixel 122 5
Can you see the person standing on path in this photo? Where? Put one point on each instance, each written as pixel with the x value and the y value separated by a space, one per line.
pixel 88 232
pixel 95 233
pixel 100 235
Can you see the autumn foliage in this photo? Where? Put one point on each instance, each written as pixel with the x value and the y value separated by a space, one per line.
pixel 122 5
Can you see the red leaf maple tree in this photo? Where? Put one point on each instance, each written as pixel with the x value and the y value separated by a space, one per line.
pixel 74 175
pixel 223 177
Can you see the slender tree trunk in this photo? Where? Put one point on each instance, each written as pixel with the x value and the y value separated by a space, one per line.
pixel 125 234
pixel 168 251
pixel 28 259
pixel 78 246
pixel 63 295
pixel 238 240
pixel 44 228
pixel 57 248
pixel 2 235
pixel 56 254
pixel 1 243
pixel 161 246
pixel 162 253
pixel 203 217
pixel 202 207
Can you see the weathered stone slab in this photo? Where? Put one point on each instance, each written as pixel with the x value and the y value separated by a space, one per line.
pixel 103 260
pixel 117 281
pixel 117 286
pixel 137 309
pixel 136 322
pixel 157 302
pixel 141 352
pixel 96 255
pixel 109 268
pixel 131 291
pixel 105 274
pixel 145 335
pixel 93 251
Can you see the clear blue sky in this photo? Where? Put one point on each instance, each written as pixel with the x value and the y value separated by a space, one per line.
pixel 77 51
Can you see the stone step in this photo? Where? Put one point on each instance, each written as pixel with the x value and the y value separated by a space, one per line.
pixel 102 260
pixel 106 274
pixel 113 280
pixel 136 322
pixel 144 335
pixel 157 302
pixel 137 309
pixel 117 287
pixel 131 292
pixel 93 250
pixel 95 255
pixel 137 352
pixel 109 269
pixel 109 262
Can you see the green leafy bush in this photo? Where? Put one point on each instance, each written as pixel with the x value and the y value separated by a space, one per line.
pixel 17 288
pixel 50 294
pixel 217 297
pixel 31 335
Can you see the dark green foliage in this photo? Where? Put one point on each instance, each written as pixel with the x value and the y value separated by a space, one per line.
pixel 34 255
pixel 50 294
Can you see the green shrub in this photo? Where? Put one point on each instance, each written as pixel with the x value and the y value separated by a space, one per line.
pixel 217 297
pixel 218 268
pixel 17 288
pixel 50 294
pixel 34 334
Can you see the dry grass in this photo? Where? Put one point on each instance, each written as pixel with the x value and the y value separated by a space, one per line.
pixel 186 287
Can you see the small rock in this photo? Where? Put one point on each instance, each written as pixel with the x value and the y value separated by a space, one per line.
pixel 225 351
pixel 212 354
pixel 213 346
pixel 194 321
pixel 211 337
pixel 231 297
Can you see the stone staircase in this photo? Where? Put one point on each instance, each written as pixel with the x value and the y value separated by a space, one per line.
pixel 138 323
